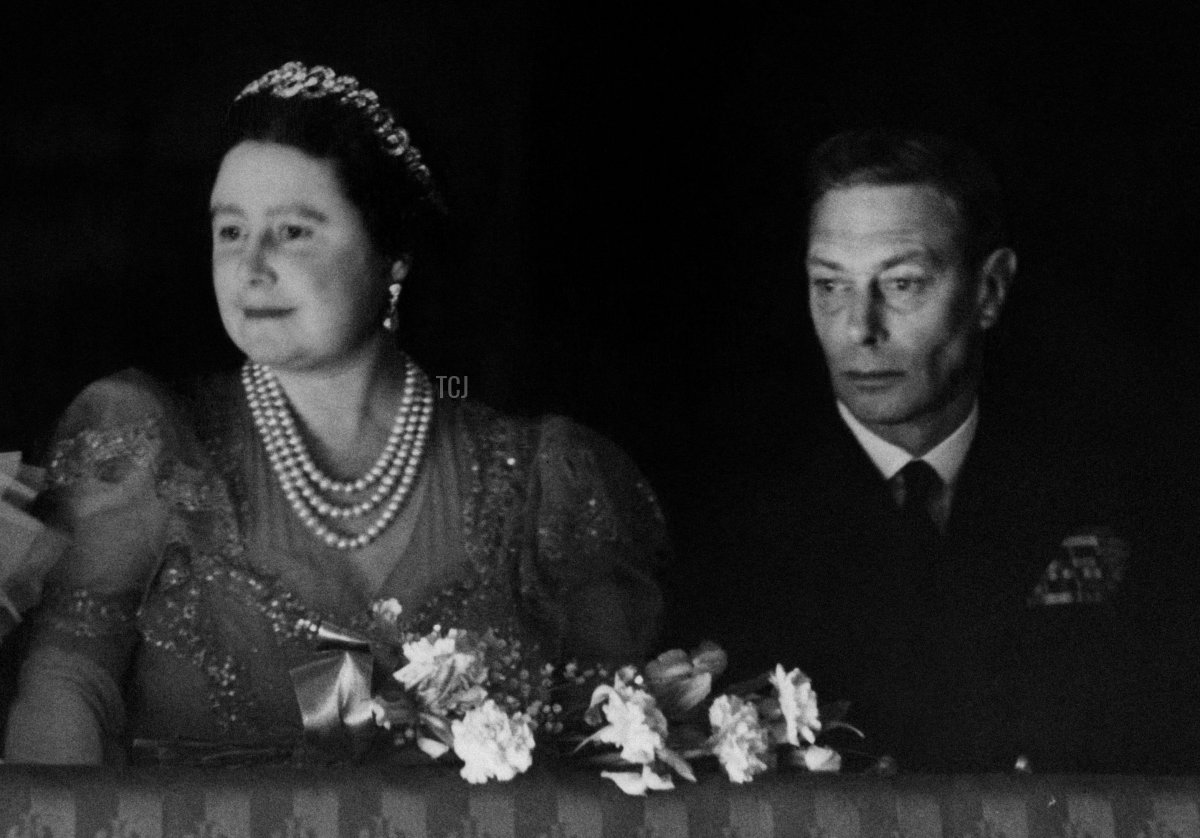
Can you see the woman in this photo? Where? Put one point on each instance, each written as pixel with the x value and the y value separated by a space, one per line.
pixel 214 525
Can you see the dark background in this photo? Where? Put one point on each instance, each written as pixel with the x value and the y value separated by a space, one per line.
pixel 625 186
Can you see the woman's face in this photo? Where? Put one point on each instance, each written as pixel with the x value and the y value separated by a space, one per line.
pixel 298 281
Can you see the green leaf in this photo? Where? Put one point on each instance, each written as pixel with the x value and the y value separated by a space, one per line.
pixel 828 726
pixel 681 766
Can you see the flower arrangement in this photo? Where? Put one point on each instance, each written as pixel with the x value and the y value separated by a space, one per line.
pixel 652 718
pixel 461 691
pixel 397 694
pixel 469 693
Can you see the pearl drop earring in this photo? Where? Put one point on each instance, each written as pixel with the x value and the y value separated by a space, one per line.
pixel 391 320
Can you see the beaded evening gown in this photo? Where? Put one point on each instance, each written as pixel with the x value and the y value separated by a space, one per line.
pixel 188 592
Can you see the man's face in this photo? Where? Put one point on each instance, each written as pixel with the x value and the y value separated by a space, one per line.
pixel 897 311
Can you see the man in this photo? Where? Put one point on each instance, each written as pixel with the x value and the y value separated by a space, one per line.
pixel 920 554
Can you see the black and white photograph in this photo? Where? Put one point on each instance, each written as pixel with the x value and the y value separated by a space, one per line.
pixel 515 418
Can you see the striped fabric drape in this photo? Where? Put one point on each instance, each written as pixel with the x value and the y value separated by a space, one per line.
pixel 434 803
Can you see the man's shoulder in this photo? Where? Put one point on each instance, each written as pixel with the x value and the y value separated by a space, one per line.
pixel 1054 466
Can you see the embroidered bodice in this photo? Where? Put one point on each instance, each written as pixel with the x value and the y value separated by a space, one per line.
pixel 192 587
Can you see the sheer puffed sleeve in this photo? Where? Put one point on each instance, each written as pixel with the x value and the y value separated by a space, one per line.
pixel 109 449
pixel 601 540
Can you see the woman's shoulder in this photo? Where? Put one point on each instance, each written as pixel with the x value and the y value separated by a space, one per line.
pixel 548 437
pixel 124 397
pixel 131 415
pixel 572 463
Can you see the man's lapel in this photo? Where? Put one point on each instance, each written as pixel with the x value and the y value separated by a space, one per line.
pixel 997 526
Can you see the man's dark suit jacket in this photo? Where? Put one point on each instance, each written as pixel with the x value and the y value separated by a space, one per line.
pixel 947 662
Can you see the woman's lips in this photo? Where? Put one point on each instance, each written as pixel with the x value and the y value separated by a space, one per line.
pixel 265 312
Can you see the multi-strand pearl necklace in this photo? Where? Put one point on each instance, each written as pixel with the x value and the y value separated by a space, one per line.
pixel 316 498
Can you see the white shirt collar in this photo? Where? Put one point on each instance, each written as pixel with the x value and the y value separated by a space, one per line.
pixel 947 457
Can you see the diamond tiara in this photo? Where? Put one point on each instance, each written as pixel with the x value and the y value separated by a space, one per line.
pixel 318 82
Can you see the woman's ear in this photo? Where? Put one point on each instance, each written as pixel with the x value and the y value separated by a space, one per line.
pixel 995 278
pixel 400 268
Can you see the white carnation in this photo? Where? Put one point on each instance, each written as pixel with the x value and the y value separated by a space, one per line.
pixel 798 703
pixel 492 744
pixel 739 738
pixel 635 724
pixel 446 673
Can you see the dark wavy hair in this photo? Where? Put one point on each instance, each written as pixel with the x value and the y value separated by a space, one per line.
pixel 883 157
pixel 398 208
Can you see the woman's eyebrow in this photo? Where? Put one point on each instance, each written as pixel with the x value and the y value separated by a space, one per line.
pixel 224 209
pixel 301 209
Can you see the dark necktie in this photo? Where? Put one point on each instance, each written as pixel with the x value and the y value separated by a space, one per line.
pixel 920 484
pixel 920 588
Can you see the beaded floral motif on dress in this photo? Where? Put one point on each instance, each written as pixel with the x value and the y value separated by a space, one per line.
pixel 500 453
pixel 180 621
pixel 500 456
pixel 187 489
pixel 81 613
pixel 107 456
pixel 206 553
pixel 582 524
pixel 202 542
pixel 651 500
pixel 104 455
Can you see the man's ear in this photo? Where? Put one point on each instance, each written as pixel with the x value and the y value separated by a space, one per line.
pixel 995 278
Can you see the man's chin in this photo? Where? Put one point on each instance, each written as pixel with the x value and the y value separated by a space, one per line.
pixel 877 410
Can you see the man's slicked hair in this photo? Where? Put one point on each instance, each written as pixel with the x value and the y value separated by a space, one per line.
pixel 883 157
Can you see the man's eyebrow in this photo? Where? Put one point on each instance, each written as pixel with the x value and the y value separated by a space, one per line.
pixel 922 254
pixel 818 262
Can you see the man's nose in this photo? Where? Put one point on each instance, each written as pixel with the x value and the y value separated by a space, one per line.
pixel 865 316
